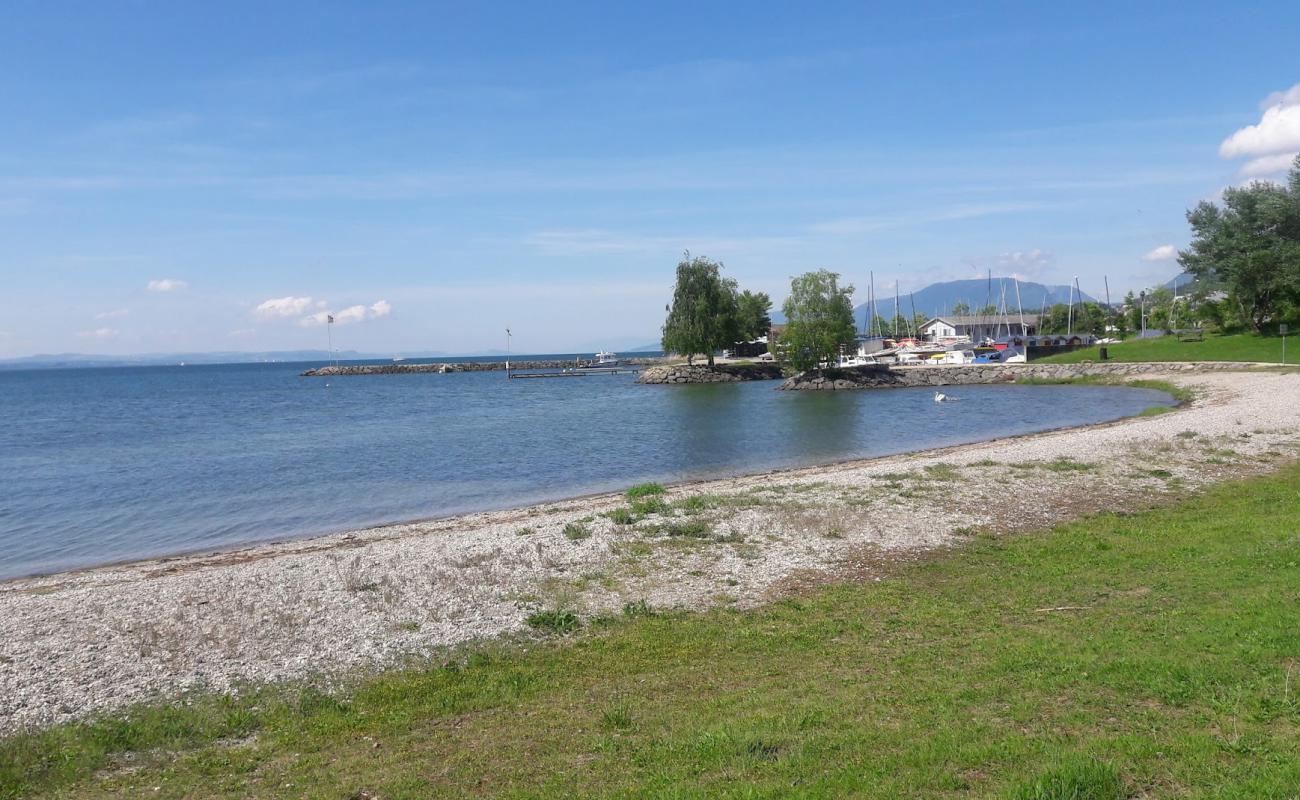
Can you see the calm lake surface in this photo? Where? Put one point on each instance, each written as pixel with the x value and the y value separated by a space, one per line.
pixel 102 465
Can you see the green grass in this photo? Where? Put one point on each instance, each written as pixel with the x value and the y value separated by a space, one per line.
pixel 643 490
pixel 554 621
pixel 1234 347
pixel 1143 655
pixel 576 531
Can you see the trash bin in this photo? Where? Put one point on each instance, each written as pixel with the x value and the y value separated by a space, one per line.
pixel 1104 353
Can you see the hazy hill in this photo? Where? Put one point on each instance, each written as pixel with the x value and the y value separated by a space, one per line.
pixel 939 298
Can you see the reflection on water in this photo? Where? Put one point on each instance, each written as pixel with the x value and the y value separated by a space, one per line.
pixel 109 464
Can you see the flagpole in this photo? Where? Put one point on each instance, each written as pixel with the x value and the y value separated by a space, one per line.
pixel 508 334
pixel 329 332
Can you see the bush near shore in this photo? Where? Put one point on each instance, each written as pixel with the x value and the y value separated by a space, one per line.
pixel 1233 347
pixel 1130 655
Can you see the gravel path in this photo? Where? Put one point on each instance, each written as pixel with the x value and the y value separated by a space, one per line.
pixel 94 640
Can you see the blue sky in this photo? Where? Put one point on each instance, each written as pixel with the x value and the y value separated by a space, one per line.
pixel 215 176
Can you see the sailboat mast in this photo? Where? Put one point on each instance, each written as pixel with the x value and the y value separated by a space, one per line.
pixel 1110 310
pixel 1002 285
pixel 1069 314
pixel 1020 309
pixel 871 305
pixel 916 333
pixel 874 312
pixel 895 310
pixel 1078 294
pixel 1173 308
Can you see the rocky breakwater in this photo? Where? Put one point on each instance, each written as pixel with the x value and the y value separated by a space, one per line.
pixel 884 376
pixel 458 366
pixel 719 373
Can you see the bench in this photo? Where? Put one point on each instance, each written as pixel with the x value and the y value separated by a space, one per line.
pixel 1197 335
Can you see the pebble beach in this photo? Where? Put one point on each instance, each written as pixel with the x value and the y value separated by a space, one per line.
pixel 98 640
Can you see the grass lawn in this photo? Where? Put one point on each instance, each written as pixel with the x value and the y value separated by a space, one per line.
pixel 1146 655
pixel 1236 347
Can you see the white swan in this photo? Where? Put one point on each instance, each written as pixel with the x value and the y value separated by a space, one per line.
pixel 939 397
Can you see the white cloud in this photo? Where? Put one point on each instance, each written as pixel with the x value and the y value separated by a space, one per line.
pixel 357 313
pixel 1164 252
pixel 1289 97
pixel 1278 129
pixel 116 313
pixel 99 333
pixel 1020 264
pixel 1268 165
pixel 1026 261
pixel 283 306
pixel 954 213
pixel 166 285
pixel 242 332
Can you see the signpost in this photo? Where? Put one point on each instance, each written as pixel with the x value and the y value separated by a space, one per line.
pixel 1282 329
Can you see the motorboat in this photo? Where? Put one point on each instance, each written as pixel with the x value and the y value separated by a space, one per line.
pixel 602 360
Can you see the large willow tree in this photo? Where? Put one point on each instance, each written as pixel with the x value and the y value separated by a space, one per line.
pixel 819 319
pixel 1252 244
pixel 703 316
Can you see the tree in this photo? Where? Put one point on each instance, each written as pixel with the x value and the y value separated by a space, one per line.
pixel 1251 243
pixel 960 309
pixel 753 315
pixel 703 315
pixel 1056 319
pixel 819 319
pixel 988 311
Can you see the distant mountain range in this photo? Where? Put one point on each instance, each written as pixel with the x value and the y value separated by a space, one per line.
pixel 219 357
pixel 66 360
pixel 938 299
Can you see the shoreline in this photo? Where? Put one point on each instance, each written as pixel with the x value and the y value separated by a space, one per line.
pixel 283 543
pixel 101 638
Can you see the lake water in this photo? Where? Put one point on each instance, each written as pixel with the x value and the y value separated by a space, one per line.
pixel 103 465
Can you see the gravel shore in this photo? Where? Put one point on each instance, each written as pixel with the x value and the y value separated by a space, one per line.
pixel 78 643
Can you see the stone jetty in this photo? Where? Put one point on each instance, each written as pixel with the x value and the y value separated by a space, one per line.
pixel 886 376
pixel 719 373
pixel 401 368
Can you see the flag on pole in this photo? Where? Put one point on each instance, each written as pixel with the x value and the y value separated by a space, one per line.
pixel 329 319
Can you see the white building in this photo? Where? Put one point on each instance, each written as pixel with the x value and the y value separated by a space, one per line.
pixel 977 328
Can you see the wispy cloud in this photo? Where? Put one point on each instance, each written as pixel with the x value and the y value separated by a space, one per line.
pixel 1268 165
pixel 357 313
pixel 100 333
pixel 116 313
pixel 166 285
pixel 1028 264
pixel 597 241
pixel 868 224
pixel 284 306
pixel 1164 252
